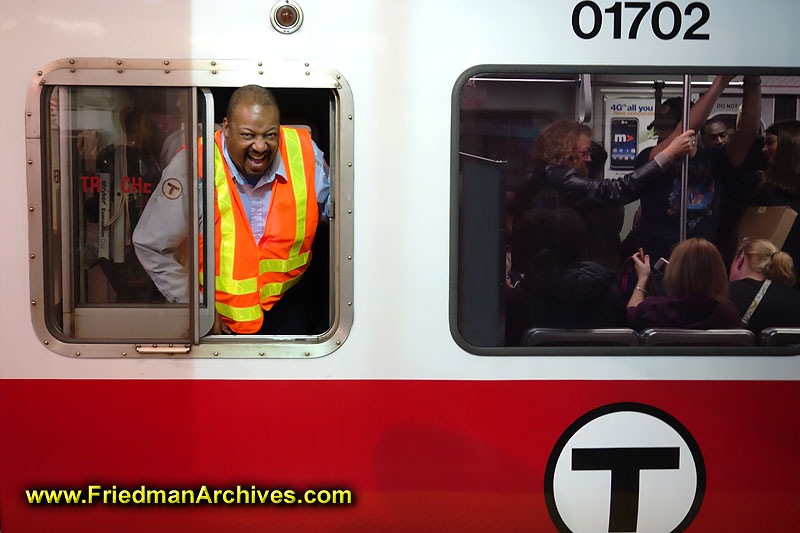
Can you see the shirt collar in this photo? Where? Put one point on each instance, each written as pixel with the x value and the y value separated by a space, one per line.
pixel 275 169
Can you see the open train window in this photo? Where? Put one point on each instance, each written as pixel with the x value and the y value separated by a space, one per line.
pixel 546 214
pixel 118 152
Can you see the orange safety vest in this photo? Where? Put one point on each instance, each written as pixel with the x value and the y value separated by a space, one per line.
pixel 251 277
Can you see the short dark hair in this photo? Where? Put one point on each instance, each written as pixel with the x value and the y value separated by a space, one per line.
pixel 251 94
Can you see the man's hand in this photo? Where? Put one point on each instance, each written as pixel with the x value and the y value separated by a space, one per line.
pixel 219 327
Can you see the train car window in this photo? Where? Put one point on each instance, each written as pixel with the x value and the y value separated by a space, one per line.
pixel 125 258
pixel 569 195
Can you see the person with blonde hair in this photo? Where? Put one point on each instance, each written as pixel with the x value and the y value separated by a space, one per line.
pixel 697 291
pixel 761 280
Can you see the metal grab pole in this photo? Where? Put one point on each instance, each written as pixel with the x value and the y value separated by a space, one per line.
pixel 687 92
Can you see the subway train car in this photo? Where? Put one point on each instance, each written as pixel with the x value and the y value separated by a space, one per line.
pixel 405 403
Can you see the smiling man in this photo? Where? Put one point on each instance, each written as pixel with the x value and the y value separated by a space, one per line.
pixel 272 187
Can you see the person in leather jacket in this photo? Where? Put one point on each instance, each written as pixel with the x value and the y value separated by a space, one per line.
pixel 561 155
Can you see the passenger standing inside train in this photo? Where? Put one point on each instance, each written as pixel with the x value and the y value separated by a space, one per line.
pixel 711 169
pixel 714 133
pixel 761 277
pixel 696 284
pixel 271 185
pixel 782 178
pixel 561 157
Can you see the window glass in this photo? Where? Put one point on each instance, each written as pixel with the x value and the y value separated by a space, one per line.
pixel 558 188
pixel 106 148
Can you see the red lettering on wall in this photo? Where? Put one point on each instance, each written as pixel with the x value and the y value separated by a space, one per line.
pixel 91 183
pixel 136 185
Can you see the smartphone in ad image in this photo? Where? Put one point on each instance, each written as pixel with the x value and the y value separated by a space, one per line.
pixel 624 142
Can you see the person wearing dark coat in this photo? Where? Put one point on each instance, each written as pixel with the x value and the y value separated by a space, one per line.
pixel 559 288
pixel 561 158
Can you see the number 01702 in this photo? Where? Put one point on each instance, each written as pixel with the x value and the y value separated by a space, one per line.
pixel 666 19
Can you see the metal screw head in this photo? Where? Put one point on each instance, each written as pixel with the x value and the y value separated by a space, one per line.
pixel 29 113
pixel 349 211
pixel 119 61
pixel 338 343
pixel 33 302
pixel 33 256
pixel 213 72
pixel 166 62
pixel 261 354
pixel 350 117
pixel 119 70
pixel 349 257
pixel 166 71
pixel 349 164
pixel 216 354
pixel 261 72
pixel 39 73
pixel 349 304
pixel 41 82
pixel 124 354
pixel 213 63
pixel 308 353
pixel 30 161
pixel 338 77
pixel 71 61
pixel 260 64
pixel 308 73
pixel 306 64
pixel 72 70
pixel 30 209
pixel 77 354
pixel 46 343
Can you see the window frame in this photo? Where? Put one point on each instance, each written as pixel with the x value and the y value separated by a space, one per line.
pixel 455 214
pixel 193 75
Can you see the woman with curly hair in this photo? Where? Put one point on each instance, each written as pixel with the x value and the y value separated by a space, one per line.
pixel 761 277
pixel 561 158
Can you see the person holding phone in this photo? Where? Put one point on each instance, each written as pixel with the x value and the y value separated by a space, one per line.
pixel 697 291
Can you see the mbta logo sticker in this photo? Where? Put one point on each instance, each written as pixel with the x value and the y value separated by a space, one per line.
pixel 625 467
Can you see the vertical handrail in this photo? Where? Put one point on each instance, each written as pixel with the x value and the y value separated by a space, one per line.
pixel 687 91
pixel 585 99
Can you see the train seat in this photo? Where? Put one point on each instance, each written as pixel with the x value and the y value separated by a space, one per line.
pixel 780 337
pixel 580 337
pixel 697 337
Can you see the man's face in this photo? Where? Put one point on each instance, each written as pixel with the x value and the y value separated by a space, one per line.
pixel 584 143
pixel 715 134
pixel 252 135
pixel 770 147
